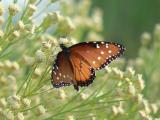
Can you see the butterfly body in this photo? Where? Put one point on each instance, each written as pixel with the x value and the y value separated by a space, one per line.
pixel 77 64
pixel 65 50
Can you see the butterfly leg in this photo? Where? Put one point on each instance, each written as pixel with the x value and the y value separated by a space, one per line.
pixel 76 87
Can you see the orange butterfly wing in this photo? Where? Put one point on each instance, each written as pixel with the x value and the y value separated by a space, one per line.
pixel 98 54
pixel 85 57
pixel 62 74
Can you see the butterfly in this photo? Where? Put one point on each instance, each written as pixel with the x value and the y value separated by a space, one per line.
pixel 76 65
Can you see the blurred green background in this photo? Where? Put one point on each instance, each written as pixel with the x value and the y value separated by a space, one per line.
pixel 126 20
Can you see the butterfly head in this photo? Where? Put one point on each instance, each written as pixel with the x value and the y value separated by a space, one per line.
pixel 65 49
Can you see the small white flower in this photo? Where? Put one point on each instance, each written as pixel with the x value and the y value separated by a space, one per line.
pixel 130 71
pixel 1 9
pixel 26 102
pixel 13 9
pixel 1 20
pixel 21 25
pixel 140 82
pixel 154 108
pixel 16 33
pixel 1 33
pixel 131 89
pixel 41 110
pixel 40 56
pixel 145 38
pixel 46 44
pixel 9 115
pixel 114 110
pixel 19 116
pixel 3 102
pixel 15 65
pixel 139 98
pixel 32 7
pixel 146 106
pixel 62 94
pixel 84 96
pixel 70 117
pixel 63 40
pixel 157 30
pixel 8 63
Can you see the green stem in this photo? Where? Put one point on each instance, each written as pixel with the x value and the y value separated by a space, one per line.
pixel 9 21
pixel 27 78
pixel 15 1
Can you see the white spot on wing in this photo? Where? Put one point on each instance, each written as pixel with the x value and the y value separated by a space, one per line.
pixel 97 46
pixel 109 51
pixel 106 45
pixel 94 62
pixel 54 72
pixel 60 74
pixel 102 42
pixel 102 52
pixel 99 58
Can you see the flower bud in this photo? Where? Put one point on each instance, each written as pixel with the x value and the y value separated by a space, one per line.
pixel 114 110
pixel 16 34
pixel 21 25
pixel 15 65
pixel 154 108
pixel 31 9
pixel 41 110
pixel 108 69
pixel 3 102
pixel 145 38
pixel 51 18
pixel 19 116
pixel 130 71
pixel 131 89
pixel 40 56
pixel 9 115
pixel 38 72
pixel 146 106
pixel 63 40
pixel 1 20
pixel 139 98
pixel 140 82
pixel 1 33
pixel 14 101
pixel 3 80
pixel 70 117
pixel 157 36
pixel 62 94
pixel 8 63
pixel 84 96
pixel 46 44
pixel 13 9
pixel 1 9
pixel 26 102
